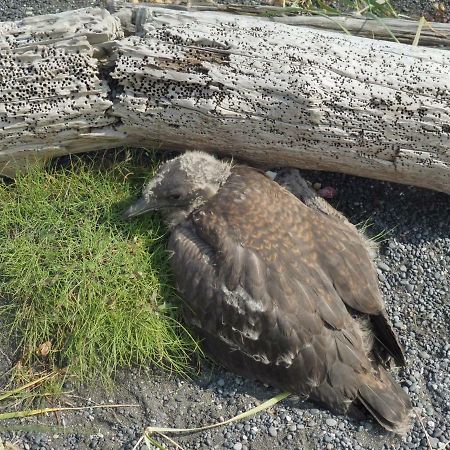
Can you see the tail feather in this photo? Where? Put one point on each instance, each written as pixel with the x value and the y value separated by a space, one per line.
pixel 386 401
pixel 386 340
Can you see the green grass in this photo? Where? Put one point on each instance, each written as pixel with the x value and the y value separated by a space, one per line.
pixel 81 288
pixel 378 238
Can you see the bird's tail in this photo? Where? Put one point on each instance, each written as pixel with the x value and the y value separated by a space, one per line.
pixel 386 401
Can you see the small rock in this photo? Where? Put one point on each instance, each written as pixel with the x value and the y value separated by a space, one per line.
pixel 331 422
pixel 237 446
pixel 272 431
pixel 383 266
pixel 434 442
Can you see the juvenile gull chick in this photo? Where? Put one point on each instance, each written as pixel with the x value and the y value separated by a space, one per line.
pixel 279 291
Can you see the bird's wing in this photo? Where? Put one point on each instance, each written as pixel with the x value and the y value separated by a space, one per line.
pixel 343 255
pixel 233 300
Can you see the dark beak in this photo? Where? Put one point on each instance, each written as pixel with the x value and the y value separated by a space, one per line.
pixel 140 207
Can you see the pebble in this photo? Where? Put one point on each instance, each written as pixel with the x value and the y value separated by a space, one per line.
pixel 433 441
pixel 273 431
pixel 237 446
pixel 381 277
pixel 331 422
pixel 383 266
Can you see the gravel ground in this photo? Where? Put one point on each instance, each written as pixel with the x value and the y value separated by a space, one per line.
pixel 413 273
pixel 17 9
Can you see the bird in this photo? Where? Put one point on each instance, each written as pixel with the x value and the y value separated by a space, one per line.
pixel 279 288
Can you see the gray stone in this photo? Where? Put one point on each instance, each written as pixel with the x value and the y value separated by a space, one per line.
pixel 331 422
pixel 383 266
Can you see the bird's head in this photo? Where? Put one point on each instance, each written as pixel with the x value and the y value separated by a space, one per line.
pixel 181 185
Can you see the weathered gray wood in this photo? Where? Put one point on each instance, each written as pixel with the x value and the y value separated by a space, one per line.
pixel 52 100
pixel 240 85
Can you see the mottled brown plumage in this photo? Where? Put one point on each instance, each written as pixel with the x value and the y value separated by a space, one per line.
pixel 285 293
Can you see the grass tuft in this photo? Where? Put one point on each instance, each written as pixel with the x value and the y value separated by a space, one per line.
pixel 378 238
pixel 81 288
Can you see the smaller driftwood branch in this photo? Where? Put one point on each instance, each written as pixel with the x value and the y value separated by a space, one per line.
pixel 432 34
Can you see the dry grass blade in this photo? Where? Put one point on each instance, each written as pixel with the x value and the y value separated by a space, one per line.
pixel 149 431
pixel 175 444
pixel 422 22
pixel 31 384
pixel 8 445
pixel 151 442
pixel 430 447
pixel 35 412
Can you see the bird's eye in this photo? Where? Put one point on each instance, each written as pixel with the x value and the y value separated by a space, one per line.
pixel 174 197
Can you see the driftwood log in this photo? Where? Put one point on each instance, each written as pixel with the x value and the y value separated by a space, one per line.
pixel 247 86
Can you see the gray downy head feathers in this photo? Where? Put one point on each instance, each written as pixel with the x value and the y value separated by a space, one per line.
pixel 181 185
